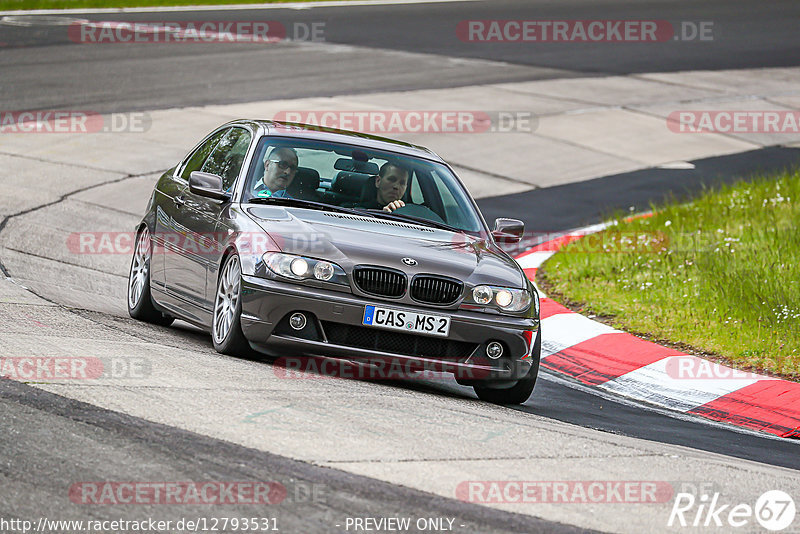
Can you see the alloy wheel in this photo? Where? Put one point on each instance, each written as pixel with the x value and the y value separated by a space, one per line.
pixel 225 306
pixel 139 269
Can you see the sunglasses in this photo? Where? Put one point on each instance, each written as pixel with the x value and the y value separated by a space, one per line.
pixel 283 165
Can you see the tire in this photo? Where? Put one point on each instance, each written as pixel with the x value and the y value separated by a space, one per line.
pixel 226 324
pixel 521 391
pixel 140 302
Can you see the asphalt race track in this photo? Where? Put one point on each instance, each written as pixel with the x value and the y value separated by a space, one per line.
pixel 416 40
pixel 341 448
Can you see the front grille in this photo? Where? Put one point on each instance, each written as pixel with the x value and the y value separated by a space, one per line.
pixel 435 289
pixel 397 342
pixel 380 281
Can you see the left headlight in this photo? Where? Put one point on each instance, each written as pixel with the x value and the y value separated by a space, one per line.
pixel 505 298
pixel 303 268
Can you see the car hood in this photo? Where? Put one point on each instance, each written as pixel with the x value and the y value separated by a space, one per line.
pixel 351 240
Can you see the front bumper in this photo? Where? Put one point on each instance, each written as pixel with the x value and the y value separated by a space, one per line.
pixel 266 305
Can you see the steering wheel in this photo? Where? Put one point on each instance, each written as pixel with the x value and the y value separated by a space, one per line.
pixel 418 210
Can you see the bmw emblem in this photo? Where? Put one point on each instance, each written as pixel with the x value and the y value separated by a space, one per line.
pixel 409 261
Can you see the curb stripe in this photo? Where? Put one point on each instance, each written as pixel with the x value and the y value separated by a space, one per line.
pixel 534 259
pixel 769 405
pixel 623 364
pixel 753 423
pixel 605 357
pixel 549 307
pixel 568 329
pixel 655 384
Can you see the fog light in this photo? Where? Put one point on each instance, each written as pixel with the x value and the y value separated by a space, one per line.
pixel 494 350
pixel 298 321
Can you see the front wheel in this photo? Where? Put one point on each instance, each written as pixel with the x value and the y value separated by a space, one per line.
pixel 226 329
pixel 140 302
pixel 521 391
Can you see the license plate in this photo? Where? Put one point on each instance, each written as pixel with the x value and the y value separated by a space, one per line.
pixel 415 323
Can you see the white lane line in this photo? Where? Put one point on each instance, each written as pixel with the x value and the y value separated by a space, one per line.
pixel 239 7
pixel 23 20
pixel 662 383
pixel 565 330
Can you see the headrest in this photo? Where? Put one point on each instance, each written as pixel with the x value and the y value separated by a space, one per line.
pixel 349 183
pixel 259 170
pixel 305 178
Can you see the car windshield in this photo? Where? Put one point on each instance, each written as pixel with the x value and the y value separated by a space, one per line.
pixel 348 176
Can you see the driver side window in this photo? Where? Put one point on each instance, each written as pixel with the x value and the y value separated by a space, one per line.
pixel 227 159
pixel 196 160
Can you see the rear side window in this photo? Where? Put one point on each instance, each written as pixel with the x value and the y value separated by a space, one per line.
pixel 198 157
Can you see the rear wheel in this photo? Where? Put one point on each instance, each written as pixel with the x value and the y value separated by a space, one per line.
pixel 226 328
pixel 140 302
pixel 521 391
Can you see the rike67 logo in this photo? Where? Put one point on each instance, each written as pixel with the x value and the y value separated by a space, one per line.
pixel 774 510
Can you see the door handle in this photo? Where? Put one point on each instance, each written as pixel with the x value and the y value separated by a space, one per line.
pixel 179 200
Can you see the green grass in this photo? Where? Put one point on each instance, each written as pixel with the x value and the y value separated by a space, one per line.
pixel 721 274
pixel 8 5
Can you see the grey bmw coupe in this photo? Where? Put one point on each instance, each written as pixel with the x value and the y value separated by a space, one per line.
pixel 298 240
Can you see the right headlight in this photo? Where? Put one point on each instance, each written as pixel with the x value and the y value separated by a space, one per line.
pixel 505 298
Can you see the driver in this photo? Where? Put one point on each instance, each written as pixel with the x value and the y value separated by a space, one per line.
pixel 390 186
pixel 280 167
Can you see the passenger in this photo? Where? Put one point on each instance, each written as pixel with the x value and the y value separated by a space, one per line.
pixel 280 167
pixel 390 186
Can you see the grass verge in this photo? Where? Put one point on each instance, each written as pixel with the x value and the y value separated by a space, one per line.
pixel 12 5
pixel 720 274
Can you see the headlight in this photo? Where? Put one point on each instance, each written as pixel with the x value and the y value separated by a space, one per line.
pixel 505 298
pixel 482 295
pixel 513 299
pixel 299 267
pixel 324 270
pixel 302 268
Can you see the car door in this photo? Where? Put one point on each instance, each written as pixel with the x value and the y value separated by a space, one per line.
pixel 178 227
pixel 225 161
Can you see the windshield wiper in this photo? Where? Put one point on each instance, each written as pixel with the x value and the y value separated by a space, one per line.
pixel 410 218
pixel 310 204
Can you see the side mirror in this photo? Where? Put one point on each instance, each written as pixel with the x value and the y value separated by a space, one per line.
pixel 207 185
pixel 508 230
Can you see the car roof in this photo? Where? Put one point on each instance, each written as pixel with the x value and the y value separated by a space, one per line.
pixel 311 131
